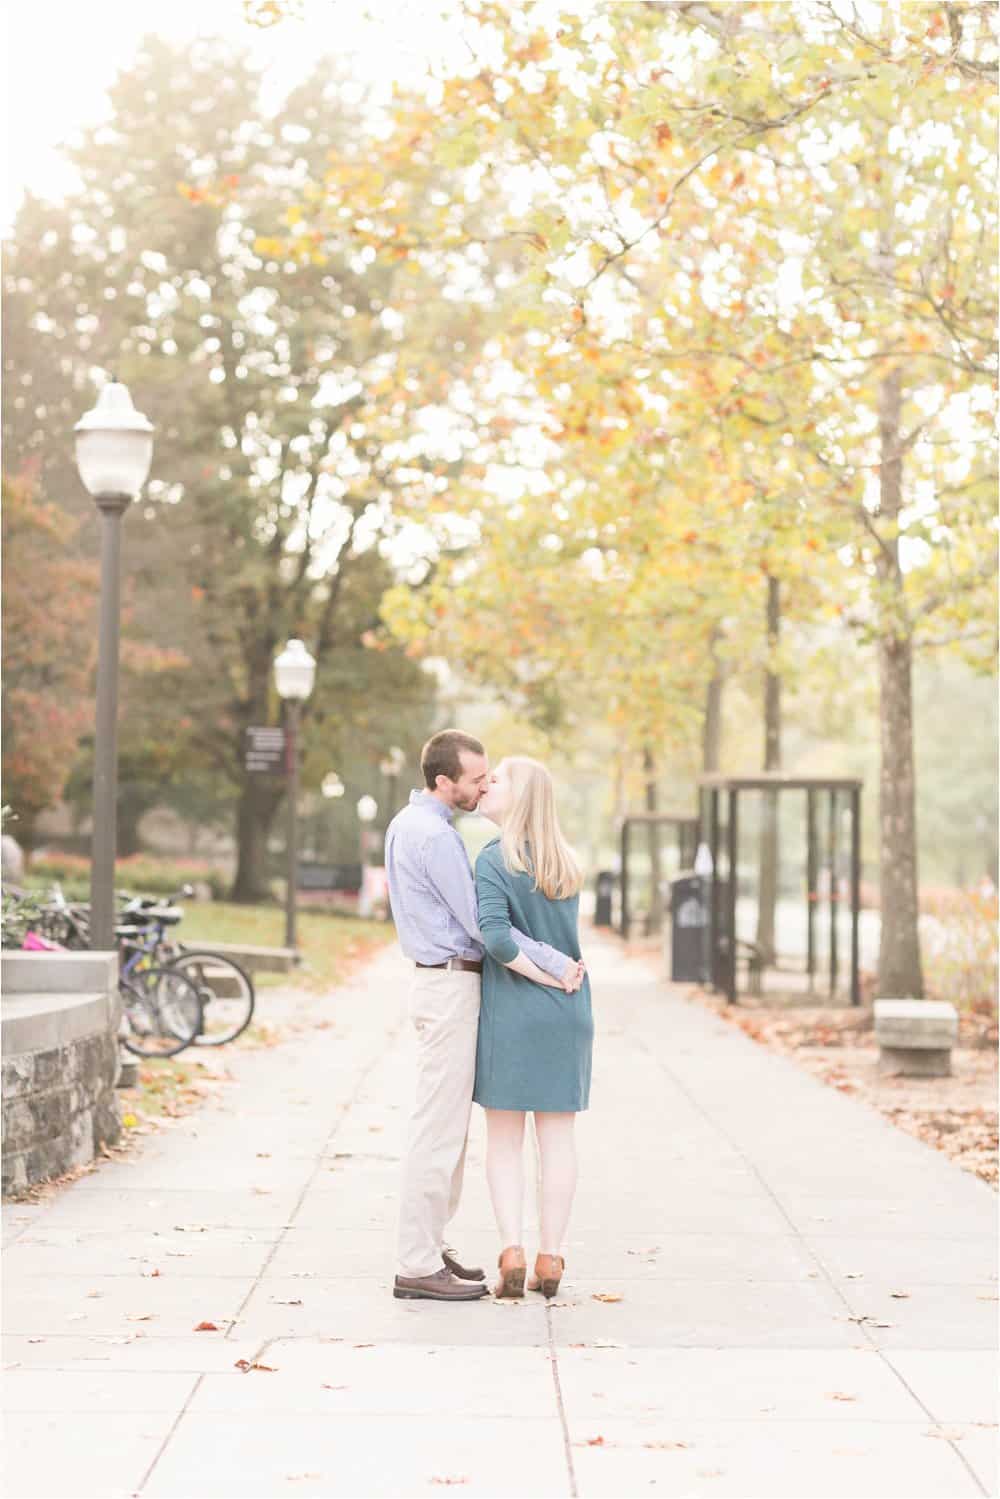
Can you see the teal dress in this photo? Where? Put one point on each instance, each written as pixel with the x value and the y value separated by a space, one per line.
pixel 535 1044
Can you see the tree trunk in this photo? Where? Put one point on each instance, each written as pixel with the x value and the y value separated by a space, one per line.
pixel 654 913
pixel 254 816
pixel 711 732
pixel 768 850
pixel 899 969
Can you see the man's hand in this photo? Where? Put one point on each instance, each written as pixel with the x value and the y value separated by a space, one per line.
pixel 573 977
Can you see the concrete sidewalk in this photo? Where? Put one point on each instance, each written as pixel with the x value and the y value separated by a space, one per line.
pixel 801 1298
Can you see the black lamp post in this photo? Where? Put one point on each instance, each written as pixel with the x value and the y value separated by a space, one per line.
pixel 114 449
pixel 294 673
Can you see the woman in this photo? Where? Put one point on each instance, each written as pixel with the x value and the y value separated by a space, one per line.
pixel 535 1042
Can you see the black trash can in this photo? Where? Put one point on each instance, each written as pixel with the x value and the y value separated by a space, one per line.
pixel 689 921
pixel 605 894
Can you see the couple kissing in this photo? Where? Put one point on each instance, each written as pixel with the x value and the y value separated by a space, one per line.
pixel 500 1005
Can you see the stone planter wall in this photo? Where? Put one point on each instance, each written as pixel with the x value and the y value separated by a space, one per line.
pixel 60 1014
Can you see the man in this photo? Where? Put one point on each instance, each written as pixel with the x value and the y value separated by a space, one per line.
pixel 433 898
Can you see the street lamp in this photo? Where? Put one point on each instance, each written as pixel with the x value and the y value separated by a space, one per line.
pixel 391 766
pixel 114 448
pixel 367 813
pixel 294 674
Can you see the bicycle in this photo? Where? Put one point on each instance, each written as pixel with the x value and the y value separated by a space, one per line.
pixel 162 1011
pixel 225 989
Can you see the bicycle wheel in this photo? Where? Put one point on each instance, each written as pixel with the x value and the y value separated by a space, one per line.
pixel 161 1012
pixel 226 993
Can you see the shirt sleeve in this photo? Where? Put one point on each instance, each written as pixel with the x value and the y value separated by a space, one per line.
pixel 501 940
pixel 447 870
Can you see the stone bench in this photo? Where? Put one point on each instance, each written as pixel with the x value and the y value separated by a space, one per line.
pixel 253 959
pixel 60 1015
pixel 915 1036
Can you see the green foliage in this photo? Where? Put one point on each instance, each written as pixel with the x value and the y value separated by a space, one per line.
pixel 140 874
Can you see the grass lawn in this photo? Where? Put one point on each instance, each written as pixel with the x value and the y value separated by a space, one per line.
pixel 330 945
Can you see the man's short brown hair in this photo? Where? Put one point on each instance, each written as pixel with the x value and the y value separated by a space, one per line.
pixel 440 755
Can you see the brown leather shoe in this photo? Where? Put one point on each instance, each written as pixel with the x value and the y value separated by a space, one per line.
pixel 461 1271
pixel 512 1270
pixel 441 1286
pixel 548 1273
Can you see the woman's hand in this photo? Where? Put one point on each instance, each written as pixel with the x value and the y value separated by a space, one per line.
pixel 573 977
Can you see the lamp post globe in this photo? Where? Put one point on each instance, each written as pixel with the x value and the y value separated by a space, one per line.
pixel 114 450
pixel 114 445
pixel 294 674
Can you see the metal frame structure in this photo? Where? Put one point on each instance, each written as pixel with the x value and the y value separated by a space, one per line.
pixel 687 842
pixel 722 923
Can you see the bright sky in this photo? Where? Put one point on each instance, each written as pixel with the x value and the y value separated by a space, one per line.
pixel 61 55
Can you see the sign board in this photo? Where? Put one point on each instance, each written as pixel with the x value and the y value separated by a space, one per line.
pixel 264 753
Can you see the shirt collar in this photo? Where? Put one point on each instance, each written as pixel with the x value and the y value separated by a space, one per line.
pixel 432 804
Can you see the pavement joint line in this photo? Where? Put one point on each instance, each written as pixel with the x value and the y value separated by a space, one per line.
pixel 378 1053
pixel 560 1407
pixel 736 1145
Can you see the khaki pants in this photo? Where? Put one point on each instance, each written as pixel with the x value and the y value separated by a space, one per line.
pixel 444 1008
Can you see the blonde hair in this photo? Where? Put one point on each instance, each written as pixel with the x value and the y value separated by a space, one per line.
pixel 530 839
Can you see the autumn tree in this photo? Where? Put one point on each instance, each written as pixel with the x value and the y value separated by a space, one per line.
pixel 293 393
pixel 783 222
pixel 47 660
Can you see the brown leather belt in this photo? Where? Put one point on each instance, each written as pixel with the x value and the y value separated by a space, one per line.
pixel 467 965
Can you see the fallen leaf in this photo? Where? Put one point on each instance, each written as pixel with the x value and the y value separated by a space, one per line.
pixel 595 1441
pixel 245 1365
pixel 140 1316
pixel 150 1274
pixel 606 1296
pixel 900 1295
pixel 666 1446
pixel 206 1327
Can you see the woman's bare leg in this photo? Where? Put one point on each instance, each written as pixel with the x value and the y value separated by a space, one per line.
pixel 557 1151
pixel 505 1171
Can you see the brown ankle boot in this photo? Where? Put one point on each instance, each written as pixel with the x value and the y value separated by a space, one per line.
pixel 512 1271
pixel 548 1273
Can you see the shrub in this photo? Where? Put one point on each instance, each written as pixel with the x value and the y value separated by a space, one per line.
pixel 139 874
pixel 959 941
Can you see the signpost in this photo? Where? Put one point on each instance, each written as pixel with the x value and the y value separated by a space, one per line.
pixel 266 752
